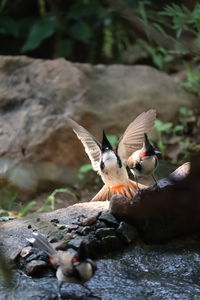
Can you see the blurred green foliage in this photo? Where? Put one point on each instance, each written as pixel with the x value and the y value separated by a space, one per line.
pixel 90 31
pixel 80 30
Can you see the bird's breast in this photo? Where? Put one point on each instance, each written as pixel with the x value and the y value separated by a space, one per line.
pixel 148 165
pixel 114 175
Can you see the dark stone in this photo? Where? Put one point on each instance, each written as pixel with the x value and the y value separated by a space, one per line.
pixel 61 245
pixel 109 219
pixel 55 237
pixel 126 232
pixel 35 267
pixel 110 243
pixel 104 232
pixel 72 227
pixel 100 224
pixel 83 230
pixel 75 243
pixel 92 246
pixel 62 227
pixel 55 221
pixel 37 254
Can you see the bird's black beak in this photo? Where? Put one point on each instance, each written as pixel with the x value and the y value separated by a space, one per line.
pixel 105 145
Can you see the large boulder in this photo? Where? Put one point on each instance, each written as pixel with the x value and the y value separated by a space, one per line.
pixel 37 96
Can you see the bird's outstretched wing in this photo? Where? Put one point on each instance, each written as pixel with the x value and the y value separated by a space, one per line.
pixel 91 145
pixel 133 137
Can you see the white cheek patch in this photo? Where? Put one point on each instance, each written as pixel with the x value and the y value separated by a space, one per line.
pixel 109 157
pixel 85 270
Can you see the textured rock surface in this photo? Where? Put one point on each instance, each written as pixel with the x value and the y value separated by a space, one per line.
pixel 152 272
pixel 36 144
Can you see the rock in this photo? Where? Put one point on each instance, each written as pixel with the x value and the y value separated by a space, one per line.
pixel 109 219
pixel 126 232
pixel 104 232
pixel 151 272
pixel 142 271
pixel 68 236
pixel 72 227
pixel 83 230
pixel 13 253
pixel 61 245
pixel 26 251
pixel 75 243
pixel 100 224
pixel 38 150
pixel 173 211
pixel 110 243
pixel 91 220
pixel 35 267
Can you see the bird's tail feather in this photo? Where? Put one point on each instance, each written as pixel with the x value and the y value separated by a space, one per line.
pixel 127 190
pixel 41 242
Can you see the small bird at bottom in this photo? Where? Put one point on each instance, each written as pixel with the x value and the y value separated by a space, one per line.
pixel 71 267
pixel 144 162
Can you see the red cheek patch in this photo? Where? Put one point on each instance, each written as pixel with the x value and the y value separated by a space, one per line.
pixel 51 260
pixel 75 259
pixel 143 154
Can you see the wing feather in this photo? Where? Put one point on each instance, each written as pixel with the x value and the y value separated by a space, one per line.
pixel 91 145
pixel 133 137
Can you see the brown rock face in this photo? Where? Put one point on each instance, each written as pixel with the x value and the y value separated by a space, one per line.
pixel 170 212
pixel 37 96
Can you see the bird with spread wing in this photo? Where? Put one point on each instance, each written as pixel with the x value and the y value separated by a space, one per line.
pixel 111 163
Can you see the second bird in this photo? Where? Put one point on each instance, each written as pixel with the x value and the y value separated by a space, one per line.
pixel 144 162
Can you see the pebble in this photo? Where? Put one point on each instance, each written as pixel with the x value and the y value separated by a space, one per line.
pixel 26 251
pixel 35 266
pixel 104 232
pixel 109 219
pixel 61 245
pixel 110 243
pixel 72 227
pixel 83 230
pixel 90 220
pixel 68 236
pixel 126 232
pixel 54 221
pixel 100 224
pixel 74 243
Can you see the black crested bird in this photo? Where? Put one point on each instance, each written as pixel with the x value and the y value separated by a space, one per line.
pixel 144 162
pixel 111 164
pixel 71 267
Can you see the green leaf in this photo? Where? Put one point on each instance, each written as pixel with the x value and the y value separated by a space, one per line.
pixel 41 29
pixel 163 127
pixel 112 139
pixel 7 218
pixel 85 168
pixel 8 26
pixel 81 31
pixel 27 208
pixel 65 48
pixel 178 128
pixel 185 111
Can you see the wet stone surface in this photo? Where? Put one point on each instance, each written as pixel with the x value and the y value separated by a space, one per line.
pixel 156 272
pixel 127 267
